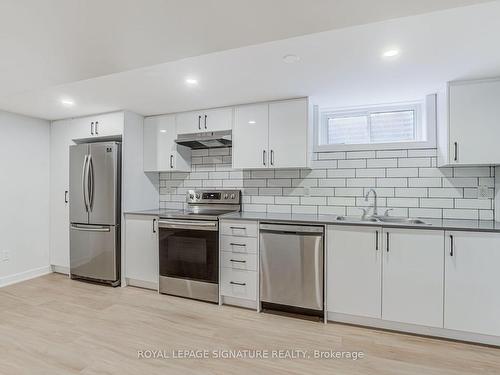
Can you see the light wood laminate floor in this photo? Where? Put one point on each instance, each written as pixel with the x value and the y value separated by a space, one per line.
pixel 53 325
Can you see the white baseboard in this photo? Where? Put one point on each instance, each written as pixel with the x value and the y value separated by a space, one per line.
pixel 23 276
pixel 414 329
pixel 142 284
pixel 60 269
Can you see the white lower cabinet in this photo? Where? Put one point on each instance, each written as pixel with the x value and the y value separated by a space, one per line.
pixel 239 263
pixel 141 250
pixel 412 276
pixel 472 281
pixel 354 272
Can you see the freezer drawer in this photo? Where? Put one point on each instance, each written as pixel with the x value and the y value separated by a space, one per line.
pixel 291 265
pixel 93 252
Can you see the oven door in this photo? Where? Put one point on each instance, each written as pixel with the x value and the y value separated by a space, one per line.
pixel 189 258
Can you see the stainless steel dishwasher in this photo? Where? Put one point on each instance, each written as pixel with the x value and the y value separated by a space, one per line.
pixel 291 267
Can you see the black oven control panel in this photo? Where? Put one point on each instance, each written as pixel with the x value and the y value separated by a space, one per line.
pixel 214 196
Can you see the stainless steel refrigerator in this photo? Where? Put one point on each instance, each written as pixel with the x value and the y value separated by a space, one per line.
pixel 95 211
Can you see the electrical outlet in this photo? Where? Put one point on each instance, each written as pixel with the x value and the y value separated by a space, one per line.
pixel 307 191
pixel 5 256
pixel 483 192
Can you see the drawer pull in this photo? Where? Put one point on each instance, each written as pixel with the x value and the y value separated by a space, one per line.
pixel 235 283
pixel 242 228
pixel 237 261
pixel 238 244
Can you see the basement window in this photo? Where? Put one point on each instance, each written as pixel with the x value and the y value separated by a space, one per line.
pixel 376 127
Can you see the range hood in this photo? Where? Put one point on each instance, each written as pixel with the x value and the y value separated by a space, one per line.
pixel 198 141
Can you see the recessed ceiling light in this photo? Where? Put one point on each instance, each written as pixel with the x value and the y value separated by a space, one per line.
pixel 251 122
pixel 163 131
pixel 391 53
pixel 191 81
pixel 290 59
pixel 67 102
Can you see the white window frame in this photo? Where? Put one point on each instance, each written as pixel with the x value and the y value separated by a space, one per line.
pixel 425 121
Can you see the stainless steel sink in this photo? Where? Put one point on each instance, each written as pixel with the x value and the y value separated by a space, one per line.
pixel 357 219
pixel 401 220
pixel 383 219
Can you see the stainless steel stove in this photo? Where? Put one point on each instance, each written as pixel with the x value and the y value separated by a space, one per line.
pixel 189 244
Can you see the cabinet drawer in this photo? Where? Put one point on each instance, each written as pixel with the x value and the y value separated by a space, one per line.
pixel 234 244
pixel 239 283
pixel 239 228
pixel 239 261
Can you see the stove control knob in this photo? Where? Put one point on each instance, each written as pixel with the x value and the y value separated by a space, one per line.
pixel 197 195
pixel 225 196
pixel 191 196
pixel 233 196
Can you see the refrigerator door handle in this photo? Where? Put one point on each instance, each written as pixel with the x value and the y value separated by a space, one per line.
pixel 91 182
pixel 90 229
pixel 84 182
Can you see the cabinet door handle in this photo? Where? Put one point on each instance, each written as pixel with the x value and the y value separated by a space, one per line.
pixel 96 131
pixel 92 128
pixel 171 161
pixel 237 261
pixel 199 122
pixel 376 240
pixel 206 121
pixel 272 157
pixel 452 245
pixel 242 228
pixel 154 225
pixel 264 157
pixel 237 244
pixel 455 144
pixel 66 196
pixel 387 243
pixel 235 283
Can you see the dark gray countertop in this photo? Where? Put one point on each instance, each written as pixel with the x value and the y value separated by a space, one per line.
pixel 449 224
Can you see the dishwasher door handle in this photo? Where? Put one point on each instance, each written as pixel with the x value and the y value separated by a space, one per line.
pixel 287 228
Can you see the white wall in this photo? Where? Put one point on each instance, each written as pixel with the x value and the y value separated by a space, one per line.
pixel 24 197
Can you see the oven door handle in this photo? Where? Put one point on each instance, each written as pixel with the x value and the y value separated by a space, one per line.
pixel 189 224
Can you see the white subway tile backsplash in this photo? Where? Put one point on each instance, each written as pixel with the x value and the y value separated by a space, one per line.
pixel 392 154
pixel 332 182
pixel 392 182
pixel 414 162
pixel 425 182
pixel 287 200
pixel 361 182
pixel 437 202
pixel 405 180
pixel 361 155
pixel 370 172
pixel 402 172
pixel 355 163
pixel 460 214
pixel 382 163
pixel 334 173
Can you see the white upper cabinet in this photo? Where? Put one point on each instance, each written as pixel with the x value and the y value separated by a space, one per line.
pixel 250 136
pixel 413 273
pixel 469 124
pixel 354 276
pixel 288 134
pixel 106 125
pixel 161 153
pixel 205 121
pixel 271 135
pixel 472 278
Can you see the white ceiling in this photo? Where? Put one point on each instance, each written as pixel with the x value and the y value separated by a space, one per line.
pixel 79 40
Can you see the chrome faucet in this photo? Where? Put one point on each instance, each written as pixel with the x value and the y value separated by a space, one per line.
pixel 375 208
